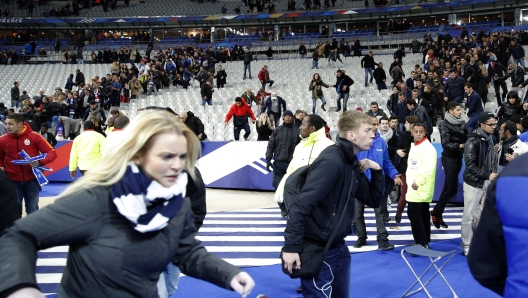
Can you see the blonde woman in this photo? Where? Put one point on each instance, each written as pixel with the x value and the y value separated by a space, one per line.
pixel 124 221
pixel 264 127
pixel 115 68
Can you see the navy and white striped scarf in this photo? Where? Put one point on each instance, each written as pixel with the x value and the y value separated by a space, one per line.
pixel 148 205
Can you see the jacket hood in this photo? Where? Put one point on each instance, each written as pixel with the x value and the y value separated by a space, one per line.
pixel 190 114
pixel 25 131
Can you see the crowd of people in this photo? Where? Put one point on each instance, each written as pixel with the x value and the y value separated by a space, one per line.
pixel 375 151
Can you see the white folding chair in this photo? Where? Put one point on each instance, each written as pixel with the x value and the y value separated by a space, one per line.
pixel 434 256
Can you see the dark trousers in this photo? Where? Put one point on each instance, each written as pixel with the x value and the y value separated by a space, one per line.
pixel 28 193
pixel 497 85
pixel 334 277
pixel 452 167
pixel 419 216
pixel 359 219
pixel 238 129
pixel 279 170
pixel 401 200
pixel 389 185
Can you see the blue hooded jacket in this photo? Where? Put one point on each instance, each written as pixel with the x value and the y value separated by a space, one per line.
pixel 379 153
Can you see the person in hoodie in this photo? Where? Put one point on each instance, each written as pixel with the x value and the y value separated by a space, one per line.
pixel 240 112
pixel 342 85
pixel 378 153
pixel 20 137
pixel 86 150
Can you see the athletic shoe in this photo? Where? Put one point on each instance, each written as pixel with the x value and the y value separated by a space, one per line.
pixel 360 242
pixel 322 107
pixel 385 245
pixel 398 218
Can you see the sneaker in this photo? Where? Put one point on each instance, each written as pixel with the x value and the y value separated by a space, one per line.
pixel 323 108
pixel 465 252
pixel 426 246
pixel 398 218
pixel 299 289
pixel 435 220
pixel 338 109
pixel 385 245
pixel 360 242
pixel 247 139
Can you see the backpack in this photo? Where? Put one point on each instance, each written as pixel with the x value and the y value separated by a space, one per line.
pixel 295 183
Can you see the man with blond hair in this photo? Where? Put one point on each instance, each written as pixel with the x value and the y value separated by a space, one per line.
pixel 315 211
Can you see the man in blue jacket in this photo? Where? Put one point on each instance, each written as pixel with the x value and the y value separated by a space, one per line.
pixel 273 106
pixel 454 87
pixel 379 153
pixel 500 261
pixel 474 104
pixel 517 52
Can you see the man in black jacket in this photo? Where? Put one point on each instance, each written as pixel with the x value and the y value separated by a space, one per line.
pixel 48 136
pixel 454 87
pixel 368 64
pixel 302 50
pixel 15 95
pixel 195 124
pixel 315 214
pixel 498 73
pixel 79 78
pixel 420 111
pixel 479 155
pixel 207 93
pixel 281 146
pixel 453 132
pixel 247 57
pixel 343 84
pixel 380 77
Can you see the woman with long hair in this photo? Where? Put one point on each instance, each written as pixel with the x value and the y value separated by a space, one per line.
pixel 512 106
pixel 124 221
pixel 264 127
pixel 317 93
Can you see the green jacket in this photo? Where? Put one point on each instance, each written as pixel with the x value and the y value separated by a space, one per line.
pixel 421 169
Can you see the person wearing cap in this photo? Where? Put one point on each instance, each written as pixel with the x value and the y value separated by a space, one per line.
pixel 281 146
pixel 48 136
pixel 274 105
pixel 479 155
pixel 240 112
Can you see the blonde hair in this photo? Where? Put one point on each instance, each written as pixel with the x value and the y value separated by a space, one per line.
pixel 351 120
pixel 268 122
pixel 136 140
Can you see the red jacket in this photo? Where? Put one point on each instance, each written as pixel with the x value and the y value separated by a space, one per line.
pixel 31 142
pixel 241 111
pixel 263 75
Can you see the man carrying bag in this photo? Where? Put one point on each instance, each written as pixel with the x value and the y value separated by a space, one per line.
pixel 316 226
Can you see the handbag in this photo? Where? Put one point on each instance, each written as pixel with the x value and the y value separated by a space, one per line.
pixel 312 254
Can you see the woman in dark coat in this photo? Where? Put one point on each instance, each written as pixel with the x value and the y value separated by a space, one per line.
pixel 264 127
pixel 356 48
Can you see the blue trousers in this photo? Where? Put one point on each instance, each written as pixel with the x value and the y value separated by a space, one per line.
pixel 168 281
pixel 344 96
pixel 473 122
pixel 333 279
pixel 209 101
pixel 314 100
pixel 268 81
pixel 238 129
pixel 367 72
pixel 315 64
pixel 247 67
pixel 28 192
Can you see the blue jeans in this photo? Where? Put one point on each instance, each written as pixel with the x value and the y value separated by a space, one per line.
pixel 473 122
pixel 367 72
pixel 209 101
pixel 315 64
pixel 29 192
pixel 15 103
pixel 168 281
pixel 333 279
pixel 268 81
pixel 401 128
pixel 344 96
pixel 247 67
pixel 314 100
pixel 519 61
pixel 302 56
pixel 458 99
pixel 237 130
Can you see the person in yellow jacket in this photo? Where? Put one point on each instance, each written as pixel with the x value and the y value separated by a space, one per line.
pixel 86 149
pixel 421 171
pixel 313 142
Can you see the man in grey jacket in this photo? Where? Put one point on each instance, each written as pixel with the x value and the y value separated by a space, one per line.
pixel 247 57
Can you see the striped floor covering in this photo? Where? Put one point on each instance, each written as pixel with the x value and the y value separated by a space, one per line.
pixel 254 238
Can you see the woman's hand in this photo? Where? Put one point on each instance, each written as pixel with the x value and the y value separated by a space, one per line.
pixel 241 283
pixel 26 293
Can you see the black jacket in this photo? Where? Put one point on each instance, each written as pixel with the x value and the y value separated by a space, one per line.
pixel 314 215
pixel 507 110
pixel 247 57
pixel 221 73
pixel 196 193
pixel 9 208
pixel 474 155
pixel 51 139
pixel 422 114
pixel 405 145
pixel 451 137
pixel 368 62
pixel 79 78
pixel 206 91
pixel 499 70
pixel 379 75
pixel 517 76
pixel 15 93
pixel 344 80
pixel 282 143
pixel 195 124
pixel 264 132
